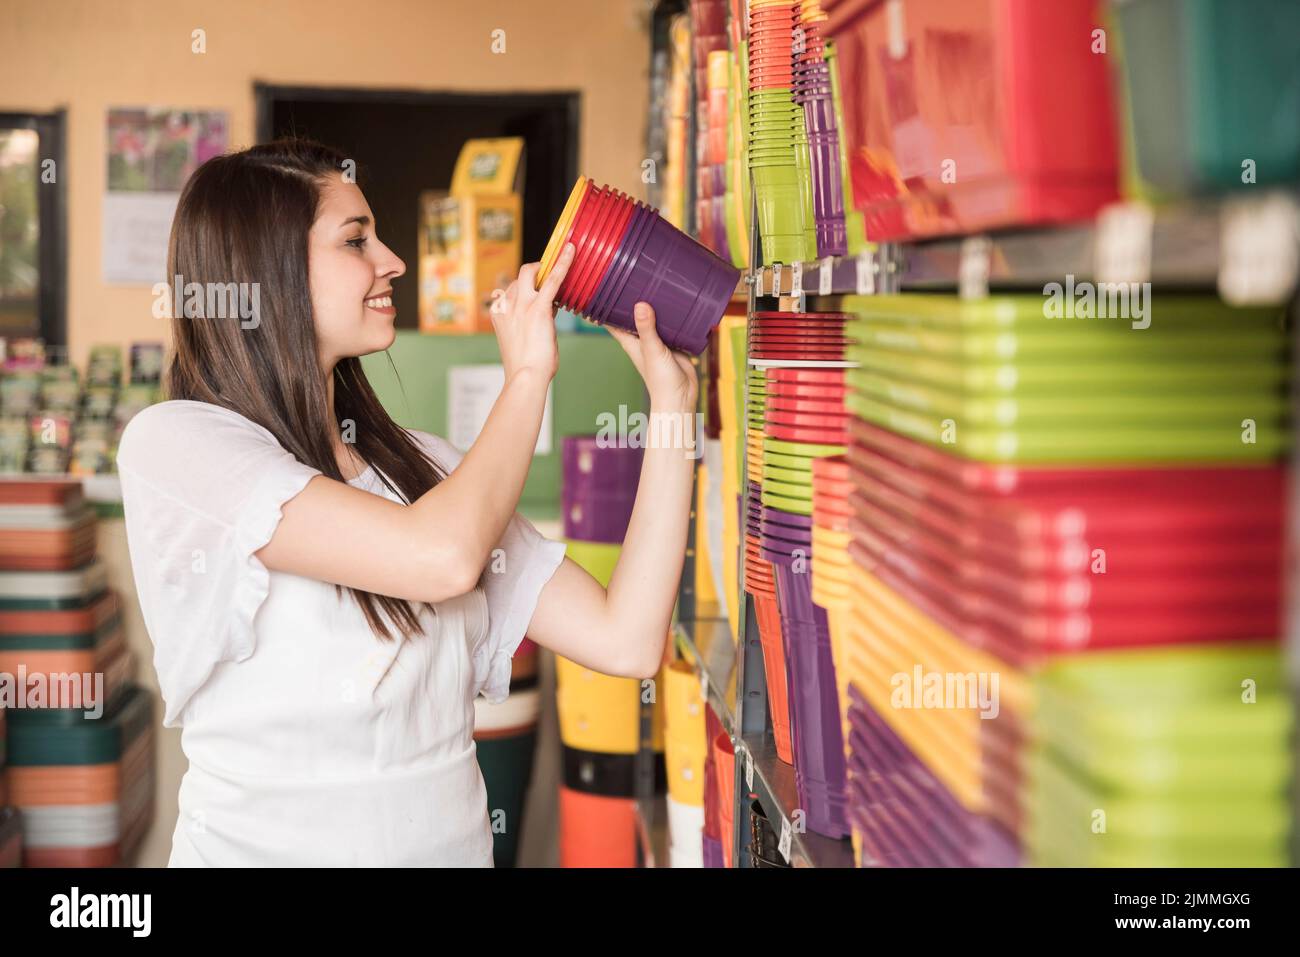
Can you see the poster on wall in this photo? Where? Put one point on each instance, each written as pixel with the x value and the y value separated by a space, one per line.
pixel 151 153
pixel 471 393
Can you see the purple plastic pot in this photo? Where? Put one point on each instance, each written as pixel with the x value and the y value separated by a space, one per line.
pixel 828 194
pixel 616 277
pixel 713 852
pixel 783 536
pixel 688 286
pixel 794 593
pixel 783 517
pixel 586 463
pixel 819 116
pixel 815 714
pixel 602 520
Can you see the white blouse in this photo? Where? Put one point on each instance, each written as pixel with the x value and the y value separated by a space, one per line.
pixel 310 740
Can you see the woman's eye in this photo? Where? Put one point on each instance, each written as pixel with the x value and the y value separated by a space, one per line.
pixel 358 243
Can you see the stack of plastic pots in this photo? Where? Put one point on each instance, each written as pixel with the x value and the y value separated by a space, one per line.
pixel 684 748
pixel 855 229
pixel 711 173
pixel 626 253
pixel 777 161
pixel 709 42
pixel 812 92
pixel 600 484
pixel 807 420
pixel 714 835
pixel 736 204
pixel 599 715
pixel 760 579
pixel 505 737
pixel 830 569
pixel 724 763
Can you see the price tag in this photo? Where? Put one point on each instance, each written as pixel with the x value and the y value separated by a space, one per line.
pixel 1123 253
pixel 704 685
pixel 776 279
pixel 796 280
pixel 824 277
pixel 866 275
pixel 973 270
pixel 1259 246
pixel 749 770
pixel 786 837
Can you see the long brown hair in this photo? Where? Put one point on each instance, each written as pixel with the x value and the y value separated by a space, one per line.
pixel 244 218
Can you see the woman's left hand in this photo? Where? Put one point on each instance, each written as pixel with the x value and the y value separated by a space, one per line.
pixel 669 375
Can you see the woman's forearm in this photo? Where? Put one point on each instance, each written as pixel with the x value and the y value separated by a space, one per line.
pixel 473 505
pixel 643 588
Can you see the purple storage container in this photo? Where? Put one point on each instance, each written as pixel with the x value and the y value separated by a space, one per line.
pixel 815 714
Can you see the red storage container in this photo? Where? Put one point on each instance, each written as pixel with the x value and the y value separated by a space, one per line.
pixel 967 115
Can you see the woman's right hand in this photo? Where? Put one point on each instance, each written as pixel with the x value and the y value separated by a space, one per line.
pixel 523 318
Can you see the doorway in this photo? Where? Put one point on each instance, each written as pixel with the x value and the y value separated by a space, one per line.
pixel 407 141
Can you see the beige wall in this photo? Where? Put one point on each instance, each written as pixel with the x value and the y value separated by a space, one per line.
pixel 89 55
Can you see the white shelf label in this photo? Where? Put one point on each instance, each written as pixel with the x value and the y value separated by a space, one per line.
pixel 1259 246
pixel 866 275
pixel 973 270
pixel 704 686
pixel 776 279
pixel 786 837
pixel 1123 252
pixel 749 770
pixel 796 280
pixel 824 276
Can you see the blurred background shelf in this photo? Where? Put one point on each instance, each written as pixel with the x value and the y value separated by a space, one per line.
pixel 1248 247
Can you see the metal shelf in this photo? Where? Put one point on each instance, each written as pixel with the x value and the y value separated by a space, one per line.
pixel 711 648
pixel 775 789
pixel 652 831
pixel 1248 247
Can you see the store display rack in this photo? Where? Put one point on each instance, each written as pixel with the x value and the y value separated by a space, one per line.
pixel 1248 247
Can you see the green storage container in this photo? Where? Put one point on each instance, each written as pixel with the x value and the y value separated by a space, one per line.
pixel 1211 84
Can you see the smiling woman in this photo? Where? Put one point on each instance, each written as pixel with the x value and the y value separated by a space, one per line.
pixel 316 579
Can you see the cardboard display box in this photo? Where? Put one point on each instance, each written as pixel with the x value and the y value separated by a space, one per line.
pixel 471 239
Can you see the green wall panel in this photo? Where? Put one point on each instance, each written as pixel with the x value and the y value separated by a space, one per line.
pixel 595 376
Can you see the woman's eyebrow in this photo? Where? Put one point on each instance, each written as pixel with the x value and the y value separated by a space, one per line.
pixel 359 220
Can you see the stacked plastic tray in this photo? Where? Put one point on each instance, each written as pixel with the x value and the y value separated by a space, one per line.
pixel 79 751
pixel 1065 564
pixel 952 112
